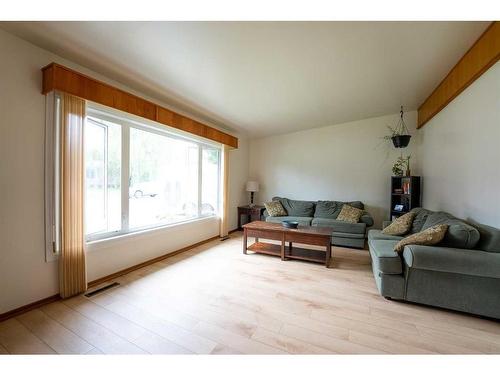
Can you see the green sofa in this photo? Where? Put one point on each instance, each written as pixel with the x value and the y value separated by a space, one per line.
pixel 460 273
pixel 324 213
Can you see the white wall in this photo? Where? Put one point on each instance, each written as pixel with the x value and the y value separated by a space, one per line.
pixel 25 277
pixel 460 153
pixel 340 162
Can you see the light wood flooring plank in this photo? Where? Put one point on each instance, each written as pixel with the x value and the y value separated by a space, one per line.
pixel 3 350
pixel 95 334
pixel 17 339
pixel 59 338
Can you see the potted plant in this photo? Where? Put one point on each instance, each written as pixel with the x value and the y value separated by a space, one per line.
pixel 400 135
pixel 402 166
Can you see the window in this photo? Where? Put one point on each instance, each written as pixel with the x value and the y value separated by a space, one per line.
pixel 102 176
pixel 139 176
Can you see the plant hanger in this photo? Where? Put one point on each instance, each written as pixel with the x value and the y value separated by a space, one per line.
pixel 402 135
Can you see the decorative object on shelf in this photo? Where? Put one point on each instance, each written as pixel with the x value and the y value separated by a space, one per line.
pixel 400 136
pixel 252 187
pixel 398 207
pixel 402 166
pixel 290 224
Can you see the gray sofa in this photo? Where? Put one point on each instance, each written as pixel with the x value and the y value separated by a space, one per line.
pixel 460 273
pixel 324 213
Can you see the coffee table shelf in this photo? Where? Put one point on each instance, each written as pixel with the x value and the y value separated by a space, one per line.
pixel 311 255
pixel 265 248
pixel 318 256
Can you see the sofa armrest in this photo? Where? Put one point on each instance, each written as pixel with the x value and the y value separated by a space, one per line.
pixel 367 219
pixel 265 214
pixel 453 260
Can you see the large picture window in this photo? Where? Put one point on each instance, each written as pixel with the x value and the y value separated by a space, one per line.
pixel 139 176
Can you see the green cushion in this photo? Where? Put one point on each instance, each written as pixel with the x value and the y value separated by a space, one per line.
pixel 421 215
pixel 489 239
pixel 340 226
pixel 327 209
pixel 331 209
pixel 459 233
pixel 384 258
pixel 296 208
pixel 367 219
pixel 348 235
pixel 278 219
pixel 453 260
pixel 376 234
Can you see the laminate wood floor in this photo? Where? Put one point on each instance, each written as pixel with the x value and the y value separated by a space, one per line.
pixel 215 300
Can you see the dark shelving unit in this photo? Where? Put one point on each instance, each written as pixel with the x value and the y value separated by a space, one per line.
pixel 405 191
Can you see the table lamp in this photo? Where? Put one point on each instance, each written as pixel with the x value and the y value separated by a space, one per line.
pixel 252 187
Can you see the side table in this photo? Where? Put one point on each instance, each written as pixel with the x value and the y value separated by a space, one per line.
pixel 253 213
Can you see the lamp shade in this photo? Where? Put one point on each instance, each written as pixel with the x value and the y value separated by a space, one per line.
pixel 252 186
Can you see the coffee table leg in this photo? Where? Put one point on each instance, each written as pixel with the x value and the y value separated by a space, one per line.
pixel 244 240
pixel 328 253
pixel 283 247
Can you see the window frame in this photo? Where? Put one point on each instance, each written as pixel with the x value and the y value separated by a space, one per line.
pixel 127 122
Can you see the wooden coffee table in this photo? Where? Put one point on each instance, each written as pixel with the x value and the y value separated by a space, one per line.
pixel 321 236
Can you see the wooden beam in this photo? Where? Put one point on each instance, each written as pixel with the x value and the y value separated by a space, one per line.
pixel 58 77
pixel 483 54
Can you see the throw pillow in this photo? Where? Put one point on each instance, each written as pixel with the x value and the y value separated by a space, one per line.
pixel 349 214
pixel 430 236
pixel 401 225
pixel 275 208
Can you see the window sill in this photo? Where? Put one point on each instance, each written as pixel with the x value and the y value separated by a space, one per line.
pixel 104 242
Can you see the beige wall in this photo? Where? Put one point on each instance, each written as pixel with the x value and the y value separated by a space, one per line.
pixel 339 162
pixel 25 277
pixel 460 153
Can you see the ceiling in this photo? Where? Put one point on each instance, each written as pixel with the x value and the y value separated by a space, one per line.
pixel 265 78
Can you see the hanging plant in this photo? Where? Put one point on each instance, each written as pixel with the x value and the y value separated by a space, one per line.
pixel 400 136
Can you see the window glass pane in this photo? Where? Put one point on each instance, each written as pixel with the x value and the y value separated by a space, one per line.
pixel 210 182
pixel 163 179
pixel 102 176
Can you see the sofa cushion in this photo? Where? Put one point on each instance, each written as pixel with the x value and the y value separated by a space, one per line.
pixel 340 226
pixel 296 208
pixel 275 208
pixel 376 234
pixel 348 235
pixel 278 219
pixel 421 215
pixel 489 239
pixel 452 260
pixel 459 234
pixel 400 226
pixel 384 258
pixel 367 219
pixel 331 209
pixel 429 236
pixel 350 214
pixel 327 209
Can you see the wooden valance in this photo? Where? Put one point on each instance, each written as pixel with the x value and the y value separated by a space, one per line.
pixel 61 78
pixel 479 58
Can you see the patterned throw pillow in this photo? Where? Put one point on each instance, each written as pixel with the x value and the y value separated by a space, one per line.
pixel 350 214
pixel 275 208
pixel 401 225
pixel 430 236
